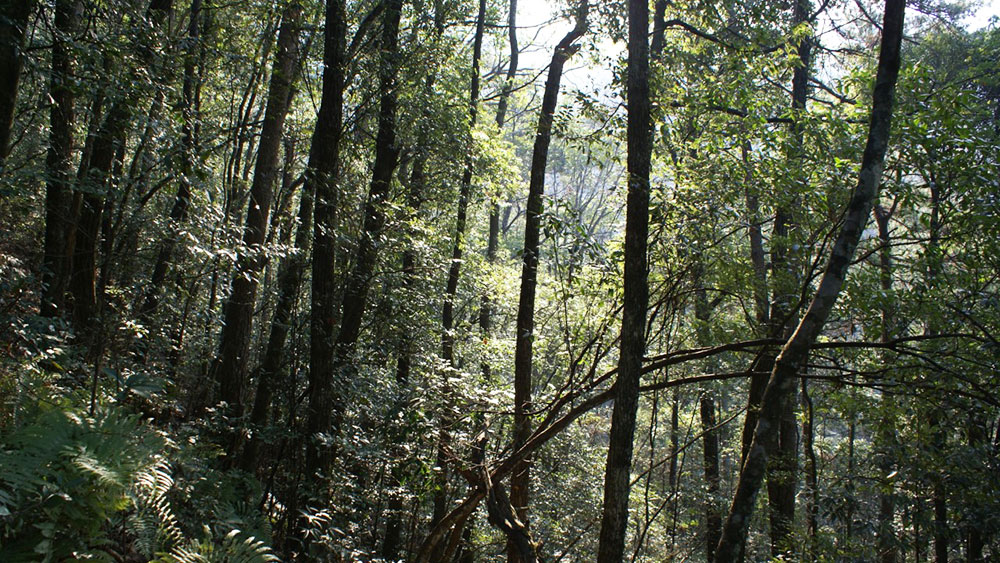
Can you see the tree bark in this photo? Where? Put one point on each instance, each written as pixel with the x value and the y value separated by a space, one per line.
pixel 710 434
pixel 885 435
pixel 323 176
pixel 812 476
pixel 95 180
pixel 415 194
pixel 614 517
pixel 794 353
pixel 14 16
pixel 359 280
pixel 59 158
pixel 289 283
pixel 525 323
pixel 234 349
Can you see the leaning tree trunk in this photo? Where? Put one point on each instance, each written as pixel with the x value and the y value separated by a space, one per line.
pixel 614 518
pixel 793 355
pixel 525 324
pixel 14 16
pixel 59 158
pixel 234 349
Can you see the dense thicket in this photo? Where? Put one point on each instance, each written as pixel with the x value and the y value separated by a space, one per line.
pixel 450 280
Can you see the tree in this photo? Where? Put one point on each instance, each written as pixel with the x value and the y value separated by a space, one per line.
pixel 794 352
pixel 633 340
pixel 59 158
pixel 13 24
pixel 525 324
pixel 234 349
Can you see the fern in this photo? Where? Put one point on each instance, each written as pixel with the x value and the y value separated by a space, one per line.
pixel 235 547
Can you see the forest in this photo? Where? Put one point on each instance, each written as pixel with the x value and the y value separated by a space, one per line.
pixel 468 281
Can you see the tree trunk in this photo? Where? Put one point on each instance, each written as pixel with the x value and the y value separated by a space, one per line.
pixel 14 16
pixel 179 210
pixel 710 434
pixel 525 324
pixel 96 180
pixel 783 378
pixel 939 498
pixel 415 193
pixel 234 349
pixel 59 158
pixel 614 517
pixel 812 476
pixel 885 435
pixel 289 283
pixel 358 282
pixel 323 172
pixel 451 290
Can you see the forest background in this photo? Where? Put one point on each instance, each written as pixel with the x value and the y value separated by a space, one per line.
pixel 375 280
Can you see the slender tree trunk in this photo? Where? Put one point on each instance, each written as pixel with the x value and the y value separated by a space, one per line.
pixel 782 476
pixel 14 16
pixel 182 201
pixel 289 284
pixel 812 477
pixel 710 447
pixel 525 324
pixel 975 538
pixel 710 434
pixel 673 477
pixel 96 180
pixel 885 436
pixel 493 239
pixel 939 495
pixel 324 172
pixel 614 517
pixel 454 272
pixel 234 349
pixel 415 197
pixel 796 350
pixel 59 158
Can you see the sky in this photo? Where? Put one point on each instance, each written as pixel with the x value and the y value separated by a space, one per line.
pixel 540 28
pixel 989 9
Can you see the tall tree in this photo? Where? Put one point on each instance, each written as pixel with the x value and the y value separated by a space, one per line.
pixel 454 273
pixel 795 351
pixel 525 325
pixel 885 435
pixel 96 178
pixel 234 350
pixel 323 171
pixel 182 200
pixel 358 282
pixel 614 518
pixel 59 158
pixel 782 473
pixel 14 16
